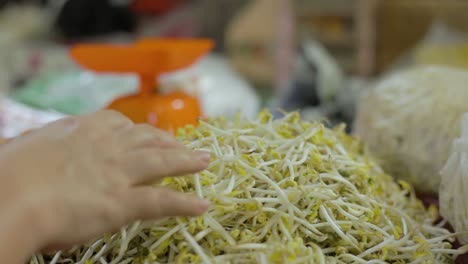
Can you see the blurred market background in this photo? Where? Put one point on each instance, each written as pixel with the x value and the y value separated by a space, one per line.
pixel 315 56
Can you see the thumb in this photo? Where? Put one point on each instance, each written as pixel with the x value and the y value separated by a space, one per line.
pixel 146 203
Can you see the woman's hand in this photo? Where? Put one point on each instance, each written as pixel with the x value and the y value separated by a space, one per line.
pixel 81 177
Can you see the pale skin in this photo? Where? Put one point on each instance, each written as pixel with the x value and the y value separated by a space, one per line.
pixel 81 177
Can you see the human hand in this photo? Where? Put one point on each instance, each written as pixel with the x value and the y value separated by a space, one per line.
pixel 84 176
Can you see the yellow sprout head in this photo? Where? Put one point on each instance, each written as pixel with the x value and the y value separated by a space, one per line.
pixel 282 191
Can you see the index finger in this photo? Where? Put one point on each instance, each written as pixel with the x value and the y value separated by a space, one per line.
pixel 147 165
pixel 108 119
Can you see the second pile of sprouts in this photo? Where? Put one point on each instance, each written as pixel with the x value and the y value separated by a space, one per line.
pixel 410 119
pixel 282 191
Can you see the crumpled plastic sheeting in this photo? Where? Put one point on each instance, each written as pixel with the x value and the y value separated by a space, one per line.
pixel 453 193
pixel 16 118
pixel 221 90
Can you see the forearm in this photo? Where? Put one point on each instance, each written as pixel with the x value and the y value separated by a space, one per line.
pixel 19 235
pixel 12 249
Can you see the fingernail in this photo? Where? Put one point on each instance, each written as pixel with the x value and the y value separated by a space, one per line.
pixel 203 204
pixel 203 156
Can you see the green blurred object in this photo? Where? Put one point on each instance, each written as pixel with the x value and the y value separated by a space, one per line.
pixel 75 92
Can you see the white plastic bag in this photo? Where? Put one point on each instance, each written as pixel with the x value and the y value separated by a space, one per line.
pixel 410 119
pixel 16 118
pixel 221 90
pixel 453 193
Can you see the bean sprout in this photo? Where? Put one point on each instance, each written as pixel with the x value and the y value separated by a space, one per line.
pixel 282 191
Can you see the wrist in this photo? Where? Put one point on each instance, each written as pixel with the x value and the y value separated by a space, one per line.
pixel 23 231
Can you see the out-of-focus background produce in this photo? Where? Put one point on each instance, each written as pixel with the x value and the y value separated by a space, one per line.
pixel 395 72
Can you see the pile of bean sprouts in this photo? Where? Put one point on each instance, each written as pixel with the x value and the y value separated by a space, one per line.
pixel 282 191
pixel 417 114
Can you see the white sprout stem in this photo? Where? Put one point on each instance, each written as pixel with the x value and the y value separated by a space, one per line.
pixel 202 234
pixel 196 247
pixel 56 257
pixel 127 261
pixel 261 176
pixel 218 228
pixel 376 247
pixel 336 228
pixel 318 253
pixel 231 185
pixel 100 253
pixel 284 230
pixel 348 215
pixel 355 259
pixel 304 157
pixel 91 250
pixel 263 259
pixel 166 236
pixel 376 261
pixel 217 149
pixel 276 186
pixel 339 179
pixel 251 246
pixel 198 187
pixel 291 171
pixel 308 134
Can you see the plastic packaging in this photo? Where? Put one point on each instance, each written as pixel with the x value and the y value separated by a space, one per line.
pixel 453 194
pixel 221 90
pixel 75 92
pixel 16 118
pixel 410 119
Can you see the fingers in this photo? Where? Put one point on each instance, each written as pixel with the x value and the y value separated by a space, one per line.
pixel 126 206
pixel 106 119
pixel 145 203
pixel 130 136
pixel 148 165
pixel 145 135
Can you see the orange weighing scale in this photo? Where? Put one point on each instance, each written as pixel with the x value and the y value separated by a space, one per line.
pixel 149 58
